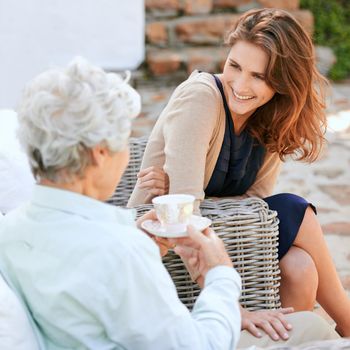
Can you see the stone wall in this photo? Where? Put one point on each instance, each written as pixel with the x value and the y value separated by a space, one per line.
pixel 183 35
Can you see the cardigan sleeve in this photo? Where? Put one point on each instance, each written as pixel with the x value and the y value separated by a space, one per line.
pixel 192 116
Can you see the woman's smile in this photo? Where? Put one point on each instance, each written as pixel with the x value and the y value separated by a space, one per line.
pixel 242 98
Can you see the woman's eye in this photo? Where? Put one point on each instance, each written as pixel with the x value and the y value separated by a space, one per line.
pixel 235 66
pixel 260 77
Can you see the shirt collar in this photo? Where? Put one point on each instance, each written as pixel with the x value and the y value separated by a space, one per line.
pixel 78 204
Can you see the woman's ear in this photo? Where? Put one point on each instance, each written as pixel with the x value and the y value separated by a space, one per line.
pixel 98 155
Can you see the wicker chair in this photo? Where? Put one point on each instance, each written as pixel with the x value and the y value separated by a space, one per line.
pixel 248 228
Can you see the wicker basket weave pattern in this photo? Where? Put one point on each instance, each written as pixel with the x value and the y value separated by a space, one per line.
pixel 248 228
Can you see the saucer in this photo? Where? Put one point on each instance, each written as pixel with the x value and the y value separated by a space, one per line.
pixel 154 227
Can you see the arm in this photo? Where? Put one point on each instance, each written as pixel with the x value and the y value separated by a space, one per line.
pixel 156 181
pixel 182 134
pixel 153 180
pixel 187 134
pixel 179 143
pixel 271 322
pixel 144 312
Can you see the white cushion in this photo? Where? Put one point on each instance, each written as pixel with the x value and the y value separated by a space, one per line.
pixel 16 178
pixel 16 332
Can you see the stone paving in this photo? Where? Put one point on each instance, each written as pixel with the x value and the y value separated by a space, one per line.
pixel 326 183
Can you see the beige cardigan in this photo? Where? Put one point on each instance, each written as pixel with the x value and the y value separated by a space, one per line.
pixel 187 138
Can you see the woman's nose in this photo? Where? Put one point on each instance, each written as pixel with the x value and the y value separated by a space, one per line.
pixel 241 84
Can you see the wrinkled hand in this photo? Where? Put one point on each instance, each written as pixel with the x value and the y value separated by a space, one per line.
pixel 163 243
pixel 273 323
pixel 154 180
pixel 200 252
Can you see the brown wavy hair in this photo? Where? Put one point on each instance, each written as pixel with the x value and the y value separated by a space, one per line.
pixel 293 122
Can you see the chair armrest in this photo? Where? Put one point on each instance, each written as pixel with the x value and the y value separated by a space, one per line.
pixel 250 233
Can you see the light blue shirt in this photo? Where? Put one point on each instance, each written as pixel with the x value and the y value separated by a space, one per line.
pixel 92 280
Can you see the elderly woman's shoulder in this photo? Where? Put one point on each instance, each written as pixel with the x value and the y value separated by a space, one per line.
pixel 122 233
pixel 122 242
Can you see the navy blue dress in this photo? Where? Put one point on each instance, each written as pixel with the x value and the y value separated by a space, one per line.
pixel 240 158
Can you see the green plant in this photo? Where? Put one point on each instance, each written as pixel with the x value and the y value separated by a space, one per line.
pixel 332 28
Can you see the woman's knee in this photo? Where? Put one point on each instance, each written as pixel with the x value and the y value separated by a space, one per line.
pixel 299 271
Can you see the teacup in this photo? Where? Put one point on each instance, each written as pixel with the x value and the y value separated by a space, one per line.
pixel 174 211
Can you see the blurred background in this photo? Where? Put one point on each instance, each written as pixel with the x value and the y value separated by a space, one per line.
pixel 37 34
pixel 162 42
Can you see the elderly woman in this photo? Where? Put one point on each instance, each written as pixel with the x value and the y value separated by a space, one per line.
pixel 90 278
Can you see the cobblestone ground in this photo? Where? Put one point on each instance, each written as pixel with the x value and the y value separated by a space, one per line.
pixel 325 183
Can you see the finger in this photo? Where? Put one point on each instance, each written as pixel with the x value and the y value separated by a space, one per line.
pixel 145 171
pixel 184 252
pixel 269 330
pixel 185 241
pixel 166 180
pixel 150 215
pixel 165 242
pixel 207 230
pixel 284 321
pixel 162 239
pixel 286 310
pixel 163 249
pixel 196 236
pixel 193 260
pixel 154 175
pixel 156 191
pixel 252 329
pixel 278 326
pixel 152 183
pixel 153 193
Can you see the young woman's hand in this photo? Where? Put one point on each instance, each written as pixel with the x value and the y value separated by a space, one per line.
pixel 272 322
pixel 154 180
pixel 163 243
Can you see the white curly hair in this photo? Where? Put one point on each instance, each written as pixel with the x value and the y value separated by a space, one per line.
pixel 64 112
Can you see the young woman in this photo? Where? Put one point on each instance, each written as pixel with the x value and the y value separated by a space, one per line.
pixel 227 134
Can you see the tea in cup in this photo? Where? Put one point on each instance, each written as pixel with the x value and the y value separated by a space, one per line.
pixel 174 211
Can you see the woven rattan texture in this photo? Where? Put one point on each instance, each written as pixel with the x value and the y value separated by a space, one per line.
pixel 248 228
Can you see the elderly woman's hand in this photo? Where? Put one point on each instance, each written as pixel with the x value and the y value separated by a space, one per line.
pixel 163 243
pixel 200 252
pixel 154 180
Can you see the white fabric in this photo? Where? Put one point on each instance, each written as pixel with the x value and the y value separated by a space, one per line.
pixel 93 281
pixel 15 330
pixel 16 180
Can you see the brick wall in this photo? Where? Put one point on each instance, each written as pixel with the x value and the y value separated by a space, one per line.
pixel 183 35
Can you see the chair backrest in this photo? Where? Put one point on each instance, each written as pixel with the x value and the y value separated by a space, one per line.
pixel 249 230
pixel 16 332
pixel 128 181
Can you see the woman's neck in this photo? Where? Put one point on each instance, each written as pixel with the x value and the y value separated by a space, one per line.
pixel 80 186
pixel 239 123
